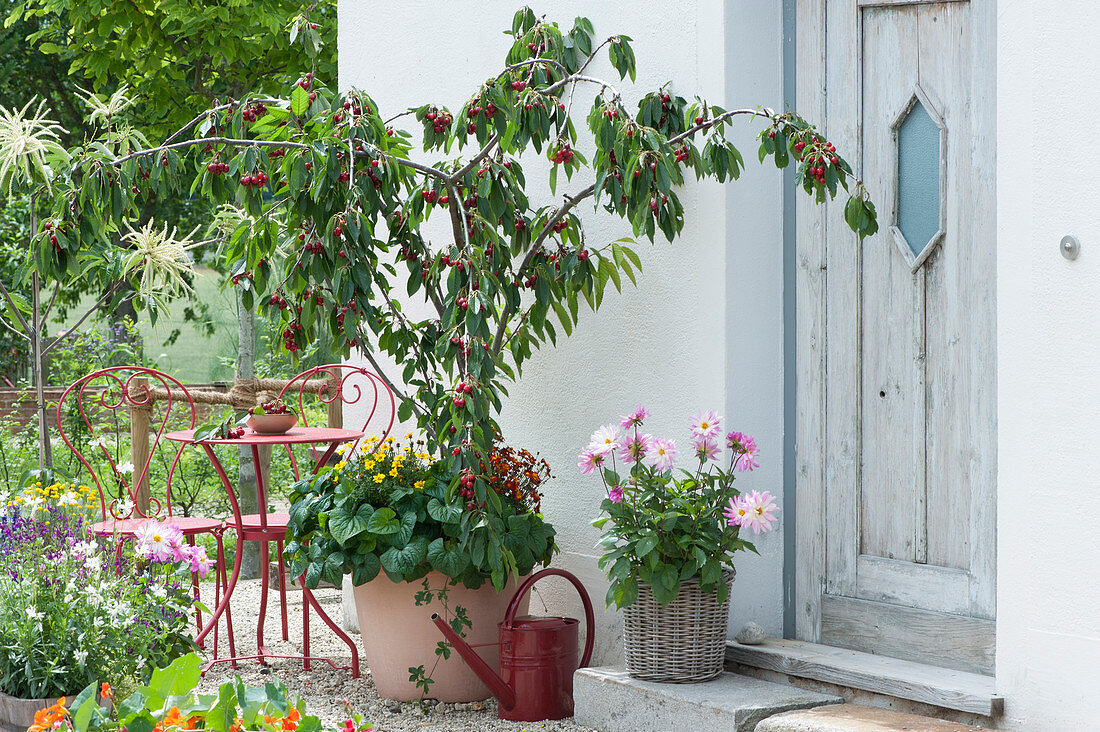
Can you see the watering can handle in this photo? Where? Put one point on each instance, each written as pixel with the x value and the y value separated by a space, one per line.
pixel 589 618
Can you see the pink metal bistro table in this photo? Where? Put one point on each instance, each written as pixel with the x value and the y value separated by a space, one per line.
pixel 265 528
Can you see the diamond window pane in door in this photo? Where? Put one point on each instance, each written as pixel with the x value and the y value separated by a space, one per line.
pixel 918 178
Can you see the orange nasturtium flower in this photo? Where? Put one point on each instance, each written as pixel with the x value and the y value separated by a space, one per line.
pixel 175 721
pixel 105 691
pixel 290 722
pixel 237 726
pixel 49 718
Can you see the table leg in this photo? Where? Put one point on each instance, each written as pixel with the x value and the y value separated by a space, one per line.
pixel 308 599
pixel 282 585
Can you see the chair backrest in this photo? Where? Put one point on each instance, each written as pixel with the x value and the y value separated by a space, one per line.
pixel 347 385
pixel 94 417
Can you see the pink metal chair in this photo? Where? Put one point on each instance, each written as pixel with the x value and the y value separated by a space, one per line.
pixel 96 407
pixel 351 385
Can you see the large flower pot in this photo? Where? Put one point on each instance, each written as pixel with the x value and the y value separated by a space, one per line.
pixel 16 714
pixel 398 635
pixel 683 642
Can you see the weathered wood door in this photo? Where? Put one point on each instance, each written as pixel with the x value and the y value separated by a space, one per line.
pixel 896 439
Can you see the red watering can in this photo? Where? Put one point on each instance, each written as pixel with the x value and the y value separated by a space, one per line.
pixel 537 658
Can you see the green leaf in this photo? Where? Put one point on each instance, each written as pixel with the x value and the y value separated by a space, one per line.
pixel 645 545
pixel 178 678
pixel 451 562
pixel 344 525
pixel 384 521
pixel 299 100
pixel 444 513
pixel 404 561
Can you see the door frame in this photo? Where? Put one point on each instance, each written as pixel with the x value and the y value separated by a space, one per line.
pixel 822 90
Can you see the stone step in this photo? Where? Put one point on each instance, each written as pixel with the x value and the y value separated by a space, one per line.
pixel 856 718
pixel 609 700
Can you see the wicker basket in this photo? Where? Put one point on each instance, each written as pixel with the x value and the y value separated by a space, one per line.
pixel 683 642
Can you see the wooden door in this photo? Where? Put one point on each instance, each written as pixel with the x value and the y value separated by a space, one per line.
pixel 896 434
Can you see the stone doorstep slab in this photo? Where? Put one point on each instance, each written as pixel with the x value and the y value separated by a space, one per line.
pixel 609 700
pixel 856 718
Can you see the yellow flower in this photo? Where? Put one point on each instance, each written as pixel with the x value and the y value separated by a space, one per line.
pixel 368 464
pixel 419 485
pixel 378 477
pixel 393 472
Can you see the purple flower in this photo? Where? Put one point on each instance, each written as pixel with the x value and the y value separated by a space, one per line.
pixel 615 494
pixel 745 448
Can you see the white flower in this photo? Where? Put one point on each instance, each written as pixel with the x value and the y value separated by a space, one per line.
pixel 126 467
pixel 27 141
pixel 93 563
pixel 159 591
pixel 141 663
pixel 68 598
pixel 5 498
pixel 605 439
pixel 81 656
pixel 35 503
pixel 100 442
pixel 85 548
pixel 34 614
pixel 68 498
pixel 162 260
pixel 124 507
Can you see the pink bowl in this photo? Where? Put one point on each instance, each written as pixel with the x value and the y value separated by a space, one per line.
pixel 272 424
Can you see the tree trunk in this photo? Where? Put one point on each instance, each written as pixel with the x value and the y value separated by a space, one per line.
pixel 246 475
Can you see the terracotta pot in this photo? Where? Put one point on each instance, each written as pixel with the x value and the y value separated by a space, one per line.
pixel 16 714
pixel 397 635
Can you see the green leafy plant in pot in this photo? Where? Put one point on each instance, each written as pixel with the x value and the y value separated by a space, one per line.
pixel 383 516
pixel 670 540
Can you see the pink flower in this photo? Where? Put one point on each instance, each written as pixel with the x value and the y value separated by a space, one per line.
pixel 199 561
pixel 605 440
pixel 706 449
pixel 735 512
pixel 635 448
pixel 590 461
pixel 634 419
pixel 746 446
pixel 705 425
pixel 756 511
pixel 158 542
pixel 615 494
pixel 662 454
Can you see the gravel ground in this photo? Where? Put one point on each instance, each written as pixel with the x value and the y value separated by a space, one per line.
pixel 325 689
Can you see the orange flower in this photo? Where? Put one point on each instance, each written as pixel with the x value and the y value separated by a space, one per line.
pixel 105 691
pixel 173 720
pixel 290 723
pixel 237 726
pixel 49 718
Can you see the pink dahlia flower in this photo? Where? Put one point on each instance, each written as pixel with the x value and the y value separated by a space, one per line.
pixel 662 454
pixel 615 494
pixel 634 419
pixel 590 461
pixel 605 440
pixel 746 449
pixel 756 511
pixel 635 448
pixel 706 425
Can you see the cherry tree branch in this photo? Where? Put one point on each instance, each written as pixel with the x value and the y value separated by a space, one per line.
pixel 459 174
pixel 536 246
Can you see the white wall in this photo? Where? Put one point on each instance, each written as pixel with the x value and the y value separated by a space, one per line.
pixel 666 343
pixel 1048 348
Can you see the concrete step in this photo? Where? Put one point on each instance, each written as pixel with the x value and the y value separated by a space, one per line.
pixel 856 718
pixel 608 700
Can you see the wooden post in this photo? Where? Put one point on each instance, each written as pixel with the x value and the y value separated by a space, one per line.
pixel 336 406
pixel 139 452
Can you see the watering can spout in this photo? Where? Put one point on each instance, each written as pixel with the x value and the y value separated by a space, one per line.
pixel 504 693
